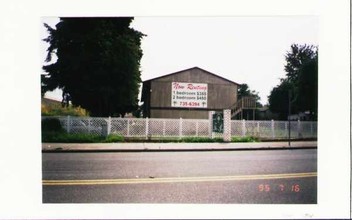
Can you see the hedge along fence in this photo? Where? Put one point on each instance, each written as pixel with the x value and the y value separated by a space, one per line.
pixel 179 128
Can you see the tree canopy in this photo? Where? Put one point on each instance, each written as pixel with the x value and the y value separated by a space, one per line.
pixel 98 63
pixel 301 79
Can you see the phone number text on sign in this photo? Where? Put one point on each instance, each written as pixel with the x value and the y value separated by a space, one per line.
pixel 189 95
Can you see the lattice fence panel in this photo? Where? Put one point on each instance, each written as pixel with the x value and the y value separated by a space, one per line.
pixel 203 128
pixel 136 127
pixel 236 128
pixel 171 128
pixel 265 129
pixel 118 126
pixel 306 129
pixel 252 128
pixel 280 129
pixel 189 128
pixel 98 126
pixel 155 128
pixel 294 129
pixel 78 125
pixel 314 129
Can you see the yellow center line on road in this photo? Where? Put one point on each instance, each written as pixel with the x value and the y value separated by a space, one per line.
pixel 177 179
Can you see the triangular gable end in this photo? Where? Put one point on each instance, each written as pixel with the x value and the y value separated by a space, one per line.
pixel 168 75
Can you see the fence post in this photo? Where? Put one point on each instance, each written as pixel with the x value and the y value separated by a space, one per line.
pixel 258 129
pixel 210 129
pixel 68 128
pixel 180 128
pixel 109 126
pixel 164 125
pixel 146 127
pixel 227 125
pixel 272 128
pixel 243 128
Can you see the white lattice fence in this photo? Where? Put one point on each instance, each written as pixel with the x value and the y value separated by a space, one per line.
pixel 136 127
pixel 236 128
pixel 171 128
pixel 307 129
pixel 279 129
pixel 144 127
pixel 177 128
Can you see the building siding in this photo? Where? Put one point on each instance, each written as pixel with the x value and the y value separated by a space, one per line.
pixel 222 94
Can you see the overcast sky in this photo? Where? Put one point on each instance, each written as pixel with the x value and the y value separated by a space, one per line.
pixel 242 49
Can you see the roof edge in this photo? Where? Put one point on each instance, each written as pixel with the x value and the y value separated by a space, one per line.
pixel 196 67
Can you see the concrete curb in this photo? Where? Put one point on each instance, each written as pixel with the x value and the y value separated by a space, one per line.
pixel 139 147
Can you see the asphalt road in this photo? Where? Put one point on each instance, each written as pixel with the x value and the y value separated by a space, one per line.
pixel 252 177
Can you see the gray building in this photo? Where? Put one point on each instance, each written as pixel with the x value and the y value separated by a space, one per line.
pixel 189 93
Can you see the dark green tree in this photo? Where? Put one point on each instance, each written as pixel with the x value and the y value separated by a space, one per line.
pixel 98 63
pixel 296 58
pixel 301 79
pixel 278 99
pixel 307 88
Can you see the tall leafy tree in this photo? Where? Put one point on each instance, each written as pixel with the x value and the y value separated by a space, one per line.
pixel 301 80
pixel 307 88
pixel 278 99
pixel 98 63
pixel 296 58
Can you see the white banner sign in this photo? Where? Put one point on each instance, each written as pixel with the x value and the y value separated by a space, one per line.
pixel 189 95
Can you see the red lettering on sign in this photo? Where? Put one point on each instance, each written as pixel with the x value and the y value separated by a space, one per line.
pixel 177 86
pixel 193 87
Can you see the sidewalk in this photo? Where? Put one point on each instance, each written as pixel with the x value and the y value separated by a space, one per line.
pixel 121 147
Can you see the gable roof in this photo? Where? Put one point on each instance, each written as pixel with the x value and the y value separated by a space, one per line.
pixel 191 69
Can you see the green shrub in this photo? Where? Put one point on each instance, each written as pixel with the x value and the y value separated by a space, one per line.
pixel 51 125
pixel 200 140
pixel 84 138
pixel 112 138
pixel 244 139
pixel 63 137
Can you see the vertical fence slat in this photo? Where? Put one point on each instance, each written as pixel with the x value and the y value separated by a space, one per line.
pixel 109 126
pixel 128 127
pixel 243 128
